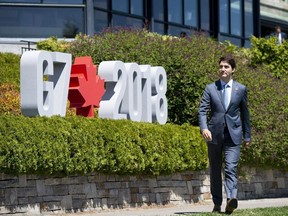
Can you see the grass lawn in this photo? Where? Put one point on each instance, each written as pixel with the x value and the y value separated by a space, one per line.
pixel 277 211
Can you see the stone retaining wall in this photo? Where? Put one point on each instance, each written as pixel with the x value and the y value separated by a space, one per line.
pixel 31 194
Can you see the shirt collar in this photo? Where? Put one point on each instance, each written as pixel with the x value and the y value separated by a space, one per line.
pixel 224 83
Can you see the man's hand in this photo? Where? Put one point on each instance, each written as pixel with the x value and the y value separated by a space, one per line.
pixel 247 144
pixel 207 135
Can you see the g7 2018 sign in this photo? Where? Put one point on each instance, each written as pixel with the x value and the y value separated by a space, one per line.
pixel 132 91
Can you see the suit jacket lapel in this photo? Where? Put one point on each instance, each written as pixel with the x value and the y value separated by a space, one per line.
pixel 235 88
pixel 218 90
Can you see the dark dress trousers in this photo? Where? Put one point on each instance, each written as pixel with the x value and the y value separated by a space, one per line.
pixel 228 128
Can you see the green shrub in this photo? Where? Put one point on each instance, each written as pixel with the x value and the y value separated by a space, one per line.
pixel 270 54
pixel 9 68
pixel 53 44
pixel 79 145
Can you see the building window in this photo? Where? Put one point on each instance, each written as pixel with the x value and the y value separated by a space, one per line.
pixel 25 22
pixel 236 17
pixel 120 5
pixel 191 13
pixel 175 11
pixel 205 15
pixel 223 16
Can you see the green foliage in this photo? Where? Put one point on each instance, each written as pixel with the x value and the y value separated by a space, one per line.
pixel 268 102
pixel 272 55
pixel 79 145
pixel 53 44
pixel 9 68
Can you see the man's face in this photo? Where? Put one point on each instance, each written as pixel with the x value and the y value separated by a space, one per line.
pixel 225 71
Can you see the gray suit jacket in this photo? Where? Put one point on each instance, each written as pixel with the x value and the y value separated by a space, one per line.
pixel 214 116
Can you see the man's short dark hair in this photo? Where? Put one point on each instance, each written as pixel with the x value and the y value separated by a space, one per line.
pixel 229 59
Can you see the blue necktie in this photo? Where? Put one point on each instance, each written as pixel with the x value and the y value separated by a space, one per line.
pixel 225 96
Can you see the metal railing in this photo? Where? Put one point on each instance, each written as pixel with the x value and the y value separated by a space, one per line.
pixel 29 48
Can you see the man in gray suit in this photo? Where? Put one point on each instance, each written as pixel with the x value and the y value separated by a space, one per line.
pixel 224 121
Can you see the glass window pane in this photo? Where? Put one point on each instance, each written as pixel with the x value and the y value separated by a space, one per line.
pixel 41 22
pixel 248 18
pixel 118 20
pixel 175 11
pixel 159 28
pixel 23 1
pixel 100 20
pixel 101 4
pixel 236 22
pixel 205 15
pixel 158 9
pixel 223 16
pixel 120 5
pixel 191 13
pixel 64 1
pixel 137 7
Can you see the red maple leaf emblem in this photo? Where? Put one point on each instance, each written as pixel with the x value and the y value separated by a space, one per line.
pixel 86 88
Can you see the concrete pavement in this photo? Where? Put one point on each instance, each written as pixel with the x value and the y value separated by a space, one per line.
pixel 184 209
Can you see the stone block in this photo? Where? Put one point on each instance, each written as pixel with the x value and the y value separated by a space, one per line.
pixel 152 183
pixel 66 202
pixel 162 190
pixel 258 188
pixel 112 185
pixel 40 187
pixel 144 190
pixel 196 183
pixel 171 184
pixel 53 181
pixel 281 182
pixel 90 190
pixel 177 177
pixel 104 193
pixel 112 201
pixel 124 196
pixel 189 187
pixel 164 178
pixel 76 189
pixel 113 193
pixel 11 197
pixel 26 191
pixel 31 183
pixel 59 190
pixel 22 181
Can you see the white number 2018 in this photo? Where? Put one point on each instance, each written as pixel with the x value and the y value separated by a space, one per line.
pixel 133 92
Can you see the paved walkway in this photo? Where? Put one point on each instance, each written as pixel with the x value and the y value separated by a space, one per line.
pixel 184 209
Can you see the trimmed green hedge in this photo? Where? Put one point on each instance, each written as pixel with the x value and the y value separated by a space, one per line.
pixel 78 145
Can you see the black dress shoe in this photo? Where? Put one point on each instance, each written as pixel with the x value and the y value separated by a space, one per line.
pixel 216 209
pixel 232 204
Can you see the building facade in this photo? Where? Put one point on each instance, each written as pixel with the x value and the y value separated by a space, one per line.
pixel 234 20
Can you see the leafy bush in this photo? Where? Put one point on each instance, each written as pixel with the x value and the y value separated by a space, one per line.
pixel 274 56
pixel 9 99
pixel 53 44
pixel 9 68
pixel 80 145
